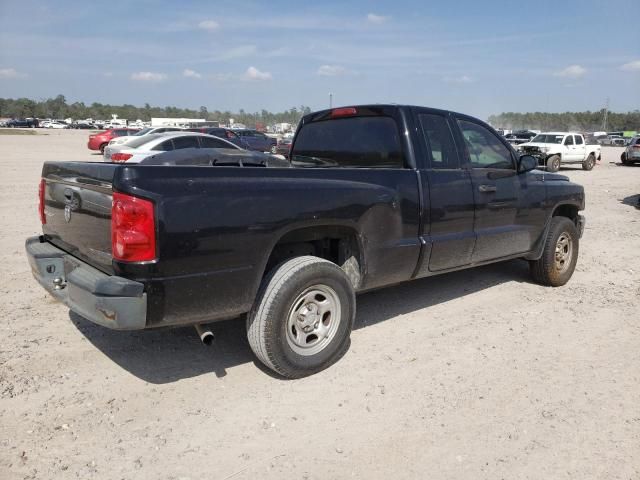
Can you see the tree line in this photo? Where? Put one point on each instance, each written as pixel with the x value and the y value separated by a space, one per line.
pixel 568 121
pixel 59 108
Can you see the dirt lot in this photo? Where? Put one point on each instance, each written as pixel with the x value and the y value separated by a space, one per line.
pixel 477 374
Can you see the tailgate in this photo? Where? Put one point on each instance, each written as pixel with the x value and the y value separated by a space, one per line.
pixel 77 205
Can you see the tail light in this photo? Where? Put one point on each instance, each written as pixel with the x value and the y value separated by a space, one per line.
pixel 43 218
pixel 121 157
pixel 133 229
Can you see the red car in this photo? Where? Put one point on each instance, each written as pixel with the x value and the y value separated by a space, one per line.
pixel 283 147
pixel 100 140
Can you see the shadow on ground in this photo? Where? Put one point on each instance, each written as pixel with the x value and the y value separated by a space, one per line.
pixel 631 200
pixel 167 355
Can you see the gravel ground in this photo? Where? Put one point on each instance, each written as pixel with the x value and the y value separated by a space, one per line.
pixel 476 374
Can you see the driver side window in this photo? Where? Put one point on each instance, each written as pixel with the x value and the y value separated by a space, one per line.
pixel 483 148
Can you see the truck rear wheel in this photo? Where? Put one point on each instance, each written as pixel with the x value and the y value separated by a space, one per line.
pixel 302 317
pixel 589 162
pixel 560 255
pixel 553 163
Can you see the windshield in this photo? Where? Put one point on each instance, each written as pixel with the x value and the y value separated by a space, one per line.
pixel 545 138
pixel 144 131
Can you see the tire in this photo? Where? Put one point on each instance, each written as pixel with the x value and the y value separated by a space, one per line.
pixel 559 256
pixel 102 147
pixel 589 163
pixel 623 159
pixel 287 319
pixel 553 163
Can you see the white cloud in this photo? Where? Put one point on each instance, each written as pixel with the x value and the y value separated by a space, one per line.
pixel 191 73
pixel 376 19
pixel 572 71
pixel 253 73
pixel 148 77
pixel 331 70
pixel 631 66
pixel 459 79
pixel 11 73
pixel 209 25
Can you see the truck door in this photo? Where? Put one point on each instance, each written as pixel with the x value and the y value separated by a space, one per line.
pixel 580 149
pixel 569 154
pixel 448 202
pixel 500 226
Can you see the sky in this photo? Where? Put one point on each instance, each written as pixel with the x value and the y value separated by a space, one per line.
pixel 476 57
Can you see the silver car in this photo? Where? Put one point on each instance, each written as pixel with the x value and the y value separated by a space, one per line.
pixel 142 133
pixel 140 148
pixel 631 154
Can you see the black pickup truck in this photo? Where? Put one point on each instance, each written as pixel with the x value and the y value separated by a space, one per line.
pixel 371 196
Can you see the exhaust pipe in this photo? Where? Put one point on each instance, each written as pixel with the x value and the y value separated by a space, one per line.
pixel 206 335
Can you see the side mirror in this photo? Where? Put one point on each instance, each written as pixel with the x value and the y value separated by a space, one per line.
pixel 526 163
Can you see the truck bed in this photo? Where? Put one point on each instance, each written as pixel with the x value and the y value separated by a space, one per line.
pixel 216 226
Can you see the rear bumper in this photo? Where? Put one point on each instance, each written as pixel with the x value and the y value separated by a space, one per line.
pixel 111 301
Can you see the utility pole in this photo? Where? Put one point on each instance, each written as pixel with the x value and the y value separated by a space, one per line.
pixel 606 114
pixel 330 100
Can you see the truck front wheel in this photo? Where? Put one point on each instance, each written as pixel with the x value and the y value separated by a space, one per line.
pixel 302 318
pixel 560 254
pixel 553 163
pixel 589 162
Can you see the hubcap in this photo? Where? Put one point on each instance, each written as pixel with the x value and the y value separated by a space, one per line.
pixel 313 320
pixel 564 250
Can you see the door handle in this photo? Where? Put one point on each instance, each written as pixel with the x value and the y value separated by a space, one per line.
pixel 487 188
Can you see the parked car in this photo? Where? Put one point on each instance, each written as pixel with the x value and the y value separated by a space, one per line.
pixel 552 149
pixel 142 147
pixel 613 141
pixel 364 206
pixel 520 136
pixel 22 123
pixel 256 140
pixel 283 147
pixel 227 157
pixel 82 126
pixel 98 141
pixel 58 125
pixel 142 133
pixel 631 154
pixel 224 133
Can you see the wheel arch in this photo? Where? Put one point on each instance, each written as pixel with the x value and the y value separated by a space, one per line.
pixel 340 244
pixel 566 209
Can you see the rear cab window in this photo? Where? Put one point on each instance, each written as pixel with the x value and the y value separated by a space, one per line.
pixel 439 139
pixel 368 141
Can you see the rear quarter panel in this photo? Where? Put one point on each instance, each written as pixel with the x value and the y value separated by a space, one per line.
pixel 217 227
